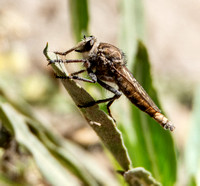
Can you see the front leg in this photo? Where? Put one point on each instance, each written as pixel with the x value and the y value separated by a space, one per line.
pixel 67 52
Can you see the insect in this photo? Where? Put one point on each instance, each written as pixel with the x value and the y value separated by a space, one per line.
pixel 106 63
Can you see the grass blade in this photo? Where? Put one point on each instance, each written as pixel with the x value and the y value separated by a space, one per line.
pixel 49 166
pixel 79 17
pixel 192 150
pixel 132 26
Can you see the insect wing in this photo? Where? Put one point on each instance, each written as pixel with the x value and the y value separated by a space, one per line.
pixel 129 77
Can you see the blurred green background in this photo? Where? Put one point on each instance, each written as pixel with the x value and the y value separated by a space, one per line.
pixel 170 32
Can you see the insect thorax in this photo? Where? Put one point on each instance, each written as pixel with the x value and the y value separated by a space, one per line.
pixel 104 59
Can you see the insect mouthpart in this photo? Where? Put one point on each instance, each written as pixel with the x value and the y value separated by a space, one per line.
pixel 87 44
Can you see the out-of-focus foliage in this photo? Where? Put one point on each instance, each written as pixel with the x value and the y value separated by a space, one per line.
pixel 142 134
pixel 79 17
pixel 52 154
pixel 155 144
pixel 51 169
pixel 192 150
pixel 132 26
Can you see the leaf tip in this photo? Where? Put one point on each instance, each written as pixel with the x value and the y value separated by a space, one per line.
pixel 45 51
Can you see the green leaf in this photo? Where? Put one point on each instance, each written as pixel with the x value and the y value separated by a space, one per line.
pixel 192 150
pixel 79 17
pixel 49 166
pixel 152 147
pixel 193 181
pixel 132 26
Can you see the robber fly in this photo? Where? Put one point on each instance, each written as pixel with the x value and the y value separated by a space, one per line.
pixel 106 63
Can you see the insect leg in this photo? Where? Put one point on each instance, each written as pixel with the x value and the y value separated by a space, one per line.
pixel 67 61
pixel 78 72
pixel 108 87
pixel 109 100
pixel 70 50
pixel 113 90
pixel 76 78
pixel 67 52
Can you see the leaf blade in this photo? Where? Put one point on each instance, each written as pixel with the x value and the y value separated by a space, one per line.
pixel 79 17
pixel 132 26
pixel 192 149
pixel 153 147
pixel 50 168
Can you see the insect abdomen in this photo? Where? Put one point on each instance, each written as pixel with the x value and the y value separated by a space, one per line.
pixel 137 99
